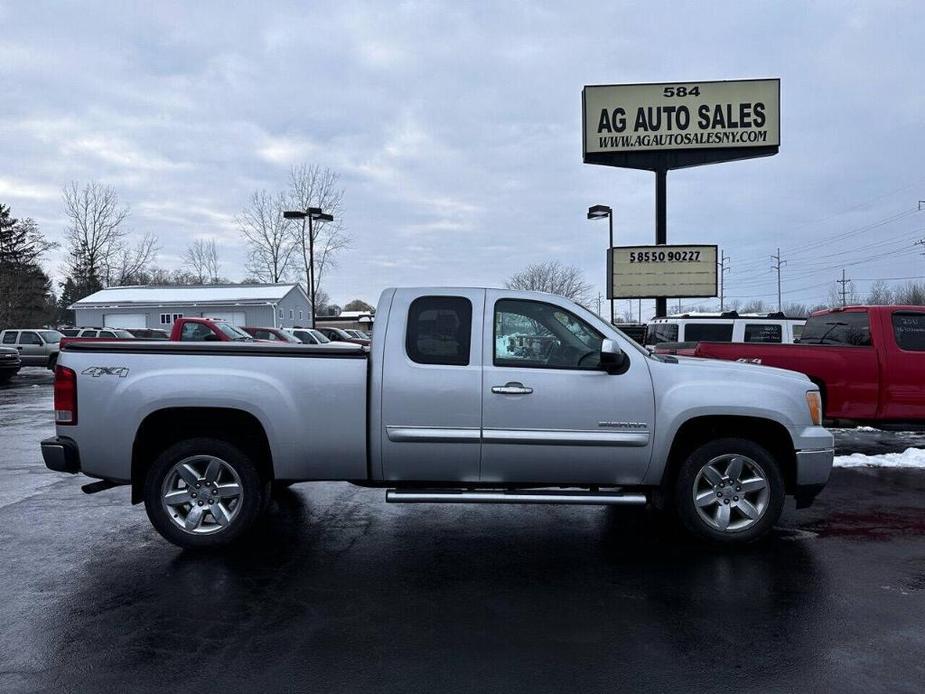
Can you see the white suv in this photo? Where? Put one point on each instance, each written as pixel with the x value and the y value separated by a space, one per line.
pixel 724 327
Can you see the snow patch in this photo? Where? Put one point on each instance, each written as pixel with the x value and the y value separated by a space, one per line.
pixel 911 457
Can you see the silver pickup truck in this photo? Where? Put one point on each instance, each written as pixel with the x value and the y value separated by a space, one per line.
pixel 466 395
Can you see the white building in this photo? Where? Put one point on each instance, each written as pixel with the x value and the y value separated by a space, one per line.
pixel 263 305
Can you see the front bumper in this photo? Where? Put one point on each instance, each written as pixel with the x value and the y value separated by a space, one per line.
pixel 61 454
pixel 814 467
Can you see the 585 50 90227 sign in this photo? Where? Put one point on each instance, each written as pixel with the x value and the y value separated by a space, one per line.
pixel 641 272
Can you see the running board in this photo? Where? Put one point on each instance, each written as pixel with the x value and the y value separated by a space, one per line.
pixel 460 496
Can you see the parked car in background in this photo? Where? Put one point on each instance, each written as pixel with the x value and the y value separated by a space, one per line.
pixel 149 333
pixel 104 333
pixel 207 330
pixel 35 347
pixel 868 362
pixel 358 333
pixel 339 335
pixel 441 411
pixel 311 336
pixel 679 334
pixel 9 363
pixel 271 334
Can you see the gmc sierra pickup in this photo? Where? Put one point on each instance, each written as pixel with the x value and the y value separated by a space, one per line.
pixel 467 395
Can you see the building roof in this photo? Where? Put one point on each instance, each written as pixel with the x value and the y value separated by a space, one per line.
pixel 213 295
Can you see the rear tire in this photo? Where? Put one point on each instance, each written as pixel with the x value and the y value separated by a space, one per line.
pixel 202 493
pixel 52 362
pixel 729 491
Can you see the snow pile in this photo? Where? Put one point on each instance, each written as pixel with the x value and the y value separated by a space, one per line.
pixel 911 457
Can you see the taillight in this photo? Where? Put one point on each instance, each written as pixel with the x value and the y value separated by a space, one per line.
pixel 65 395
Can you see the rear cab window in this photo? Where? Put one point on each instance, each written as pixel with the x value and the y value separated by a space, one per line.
pixel 843 328
pixel 439 330
pixel 909 330
pixel 708 332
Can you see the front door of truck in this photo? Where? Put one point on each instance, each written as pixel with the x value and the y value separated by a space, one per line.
pixel 550 414
pixel 431 386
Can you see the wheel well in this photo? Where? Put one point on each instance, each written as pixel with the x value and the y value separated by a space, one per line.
pixel 163 428
pixel 765 432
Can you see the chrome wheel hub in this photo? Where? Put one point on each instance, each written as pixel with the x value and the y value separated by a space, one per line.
pixel 731 493
pixel 202 494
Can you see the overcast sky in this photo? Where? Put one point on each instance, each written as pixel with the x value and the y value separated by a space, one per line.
pixel 456 129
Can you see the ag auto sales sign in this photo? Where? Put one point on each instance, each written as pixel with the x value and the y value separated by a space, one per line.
pixel 629 118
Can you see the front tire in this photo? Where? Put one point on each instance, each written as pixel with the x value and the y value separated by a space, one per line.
pixel 729 491
pixel 202 493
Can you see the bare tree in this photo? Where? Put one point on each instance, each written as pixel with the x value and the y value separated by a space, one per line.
pixel 95 234
pixel 270 243
pixel 880 294
pixel 313 186
pixel 202 261
pixel 843 297
pixel 553 277
pixel 132 265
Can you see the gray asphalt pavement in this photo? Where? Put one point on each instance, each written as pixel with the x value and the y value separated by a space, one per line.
pixel 339 592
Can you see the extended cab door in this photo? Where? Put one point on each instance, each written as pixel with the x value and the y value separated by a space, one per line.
pixel 550 413
pixel 431 375
pixel 902 364
pixel 32 349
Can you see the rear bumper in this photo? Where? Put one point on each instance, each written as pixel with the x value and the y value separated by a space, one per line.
pixel 61 454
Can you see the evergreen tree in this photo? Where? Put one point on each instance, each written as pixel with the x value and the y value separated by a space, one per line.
pixel 26 299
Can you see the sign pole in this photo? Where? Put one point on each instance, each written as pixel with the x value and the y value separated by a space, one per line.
pixel 661 225
pixel 609 253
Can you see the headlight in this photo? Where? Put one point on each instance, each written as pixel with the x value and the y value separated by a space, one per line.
pixel 814 402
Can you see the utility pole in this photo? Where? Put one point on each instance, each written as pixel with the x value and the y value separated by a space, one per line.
pixel 922 244
pixel 722 279
pixel 778 264
pixel 598 303
pixel 844 287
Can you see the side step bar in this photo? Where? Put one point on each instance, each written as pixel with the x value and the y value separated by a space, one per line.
pixel 461 496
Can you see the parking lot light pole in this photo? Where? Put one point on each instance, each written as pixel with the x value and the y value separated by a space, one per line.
pixel 599 212
pixel 311 213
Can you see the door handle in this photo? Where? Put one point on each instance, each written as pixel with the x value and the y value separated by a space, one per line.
pixel 512 388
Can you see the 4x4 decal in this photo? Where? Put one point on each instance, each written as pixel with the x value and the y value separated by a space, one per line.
pixel 97 371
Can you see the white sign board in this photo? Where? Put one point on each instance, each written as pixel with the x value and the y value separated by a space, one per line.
pixel 651 272
pixel 681 115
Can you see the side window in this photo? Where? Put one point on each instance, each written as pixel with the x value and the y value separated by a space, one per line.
pixel 763 332
pixel 9 337
pixel 107 333
pixel 661 332
pixel 540 335
pixel 797 330
pixel 708 332
pixel 29 338
pixel 194 332
pixel 909 329
pixel 439 330
pixel 89 333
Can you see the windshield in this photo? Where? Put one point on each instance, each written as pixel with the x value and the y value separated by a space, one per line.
pixel 850 329
pixel 233 332
pixel 51 336
pixel 320 336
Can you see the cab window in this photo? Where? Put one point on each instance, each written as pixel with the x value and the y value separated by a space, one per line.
pixel 909 330
pixel 708 332
pixel 541 335
pixel 29 338
pixel 847 328
pixel 195 332
pixel 439 330
pixel 763 332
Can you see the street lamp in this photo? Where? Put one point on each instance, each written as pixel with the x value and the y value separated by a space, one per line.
pixel 599 212
pixel 310 213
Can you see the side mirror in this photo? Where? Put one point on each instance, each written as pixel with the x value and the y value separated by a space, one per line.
pixel 613 359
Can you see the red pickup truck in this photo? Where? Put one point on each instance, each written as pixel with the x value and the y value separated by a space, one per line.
pixel 207 330
pixel 868 361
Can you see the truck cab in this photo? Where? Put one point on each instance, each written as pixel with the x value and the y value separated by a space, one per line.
pixel 207 330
